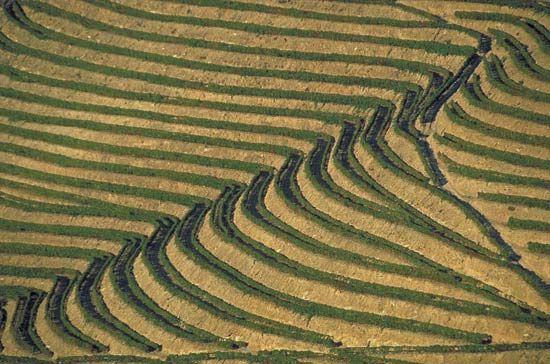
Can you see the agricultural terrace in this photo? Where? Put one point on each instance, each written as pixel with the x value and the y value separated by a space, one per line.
pixel 297 181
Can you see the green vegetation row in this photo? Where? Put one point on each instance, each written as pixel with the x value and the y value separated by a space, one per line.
pixel 520 55
pixel 457 115
pixel 15 13
pixel 237 279
pixel 499 78
pixel 433 47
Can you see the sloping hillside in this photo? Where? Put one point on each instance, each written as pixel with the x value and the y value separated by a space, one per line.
pixel 295 181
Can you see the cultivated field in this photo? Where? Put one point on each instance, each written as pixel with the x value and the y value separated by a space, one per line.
pixel 291 181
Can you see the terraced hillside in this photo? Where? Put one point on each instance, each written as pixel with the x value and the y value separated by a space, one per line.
pixel 296 181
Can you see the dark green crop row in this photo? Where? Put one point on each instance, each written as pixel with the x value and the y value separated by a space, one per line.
pixel 430 227
pixel 404 126
pixel 434 227
pixel 493 176
pixel 28 300
pixel 298 336
pixel 350 166
pixel 253 207
pixel 411 66
pixel 101 186
pixel 524 4
pixel 359 102
pixel 433 47
pixel 43 136
pixel 289 190
pixel 272 356
pixel 10 46
pixel 156 116
pixel 179 198
pixel 262 216
pixel 316 170
pixel 121 278
pixel 18 116
pixel 520 55
pixel 309 14
pixel 187 235
pixel 492 153
pixel 374 137
pixel 515 223
pixel 68 162
pixel 459 116
pixel 130 292
pixel 128 289
pixel 49 250
pixel 531 26
pixel 441 349
pixel 516 200
pixel 191 246
pixel 23 324
pixel 499 78
pixel 95 309
pixel 477 97
pixel 220 218
pixel 539 247
pixel 103 206
pixel 413 106
pixel 104 210
pixel 56 312
pixel 3 315
pixel 485 226
pixel 279 357
pixel 88 295
pixel 429 113
pixel 104 234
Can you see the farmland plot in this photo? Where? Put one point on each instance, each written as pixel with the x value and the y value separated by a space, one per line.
pixel 256 181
